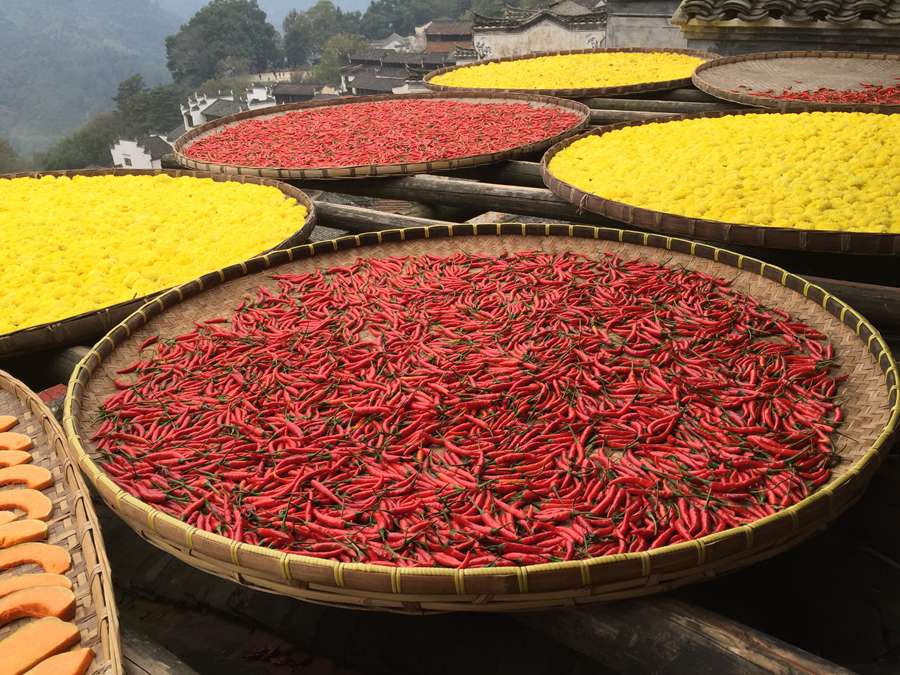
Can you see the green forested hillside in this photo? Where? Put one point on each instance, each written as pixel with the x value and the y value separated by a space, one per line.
pixel 63 59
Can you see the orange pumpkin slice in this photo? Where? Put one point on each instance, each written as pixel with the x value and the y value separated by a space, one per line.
pixel 54 559
pixel 22 531
pixel 7 517
pixel 7 422
pixel 37 603
pixel 34 642
pixel 11 584
pixel 75 662
pixel 14 457
pixel 31 475
pixel 35 504
pixel 12 441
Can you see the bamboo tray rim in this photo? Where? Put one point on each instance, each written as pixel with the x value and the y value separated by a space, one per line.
pixel 699 80
pixel 852 481
pixel 89 533
pixel 42 336
pixel 578 92
pixel 375 170
pixel 744 234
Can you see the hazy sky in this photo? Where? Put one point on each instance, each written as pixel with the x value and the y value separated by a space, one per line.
pixel 275 9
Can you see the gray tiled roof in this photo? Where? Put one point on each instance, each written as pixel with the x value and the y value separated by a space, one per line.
pixel 886 12
pixel 370 82
pixel 221 108
pixel 155 146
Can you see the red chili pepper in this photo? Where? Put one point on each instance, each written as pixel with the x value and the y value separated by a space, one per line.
pixel 476 410
pixel 384 132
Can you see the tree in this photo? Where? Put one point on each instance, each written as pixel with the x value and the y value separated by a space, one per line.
pixel 220 35
pixel 384 17
pixel 305 33
pixel 334 56
pixel 88 146
pixel 10 161
pixel 142 110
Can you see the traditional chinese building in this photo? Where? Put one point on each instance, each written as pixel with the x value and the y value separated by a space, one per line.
pixel 563 25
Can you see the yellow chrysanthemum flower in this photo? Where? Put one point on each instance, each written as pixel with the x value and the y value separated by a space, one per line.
pixel 79 244
pixel 574 71
pixel 819 171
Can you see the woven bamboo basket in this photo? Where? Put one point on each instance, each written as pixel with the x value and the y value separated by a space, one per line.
pixel 73 526
pixel 834 241
pixel 638 88
pixel 733 78
pixel 872 410
pixel 90 325
pixel 379 170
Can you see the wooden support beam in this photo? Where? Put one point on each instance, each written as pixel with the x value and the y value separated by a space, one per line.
pixel 142 656
pixel 683 94
pixel 616 116
pixel 662 635
pixel 477 196
pixel 879 304
pixel 514 172
pixel 356 219
pixel 649 105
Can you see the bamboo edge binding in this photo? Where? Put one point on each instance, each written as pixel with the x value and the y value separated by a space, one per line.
pixel 74 329
pixel 73 524
pixel 428 590
pixel 741 234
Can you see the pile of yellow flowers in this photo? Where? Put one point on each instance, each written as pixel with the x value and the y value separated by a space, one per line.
pixel 573 71
pixel 79 244
pixel 813 171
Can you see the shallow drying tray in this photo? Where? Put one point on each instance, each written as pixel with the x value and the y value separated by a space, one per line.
pixel 733 78
pixel 378 170
pixel 90 325
pixel 872 410
pixel 72 525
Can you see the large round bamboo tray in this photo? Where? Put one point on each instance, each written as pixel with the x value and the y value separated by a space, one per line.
pixel 733 78
pixel 641 87
pixel 73 526
pixel 379 170
pixel 872 406
pixel 89 326
pixel 834 241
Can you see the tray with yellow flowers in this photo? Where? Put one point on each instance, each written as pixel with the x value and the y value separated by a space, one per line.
pixel 819 181
pixel 90 247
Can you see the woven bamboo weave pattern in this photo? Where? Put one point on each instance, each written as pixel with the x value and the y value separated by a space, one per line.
pixel 72 525
pixel 376 170
pixel 733 78
pixel 90 325
pixel 870 393
pixel 862 243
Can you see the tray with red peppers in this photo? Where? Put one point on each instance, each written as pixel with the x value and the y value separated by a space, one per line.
pixel 549 414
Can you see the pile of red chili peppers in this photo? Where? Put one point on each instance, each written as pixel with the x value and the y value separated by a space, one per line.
pixel 385 132
pixel 472 411
pixel 870 93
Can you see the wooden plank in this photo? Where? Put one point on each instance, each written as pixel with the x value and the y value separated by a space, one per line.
pixel 683 94
pixel 615 116
pixel 476 196
pixel 662 635
pixel 681 107
pixel 142 656
pixel 513 172
pixel 355 219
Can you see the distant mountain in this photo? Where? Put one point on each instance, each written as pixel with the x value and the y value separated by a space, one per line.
pixel 63 59
pixel 275 10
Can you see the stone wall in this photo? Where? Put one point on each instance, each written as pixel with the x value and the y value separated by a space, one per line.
pixel 546 36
